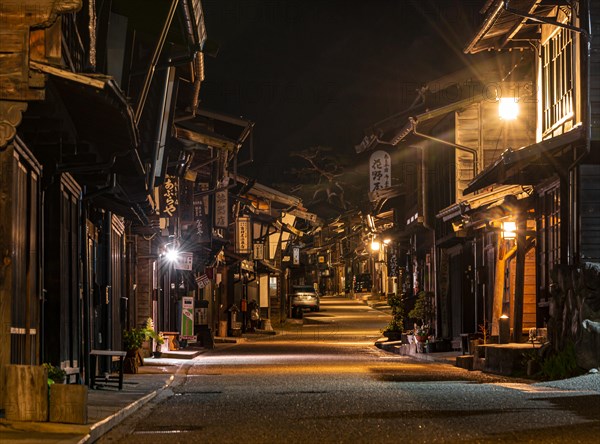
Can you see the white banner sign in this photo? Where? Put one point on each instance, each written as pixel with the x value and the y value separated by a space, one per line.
pixel 379 171
pixel 185 261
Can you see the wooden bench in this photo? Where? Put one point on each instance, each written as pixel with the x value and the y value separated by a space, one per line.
pixel 72 375
pixel 93 362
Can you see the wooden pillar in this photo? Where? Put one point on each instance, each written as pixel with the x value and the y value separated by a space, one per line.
pixel 6 265
pixel 520 276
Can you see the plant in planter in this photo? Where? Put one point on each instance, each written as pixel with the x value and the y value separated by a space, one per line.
pixel 132 342
pixel 421 333
pixel 158 338
pixel 393 331
pixel 56 375
pixel 423 311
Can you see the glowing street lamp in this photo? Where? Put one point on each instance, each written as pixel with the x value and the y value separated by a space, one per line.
pixel 508 108
pixel 375 245
pixel 172 255
pixel 509 229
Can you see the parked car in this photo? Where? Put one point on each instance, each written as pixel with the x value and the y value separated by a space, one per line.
pixel 363 283
pixel 305 296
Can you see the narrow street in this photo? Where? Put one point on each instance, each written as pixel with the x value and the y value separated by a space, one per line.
pixel 322 380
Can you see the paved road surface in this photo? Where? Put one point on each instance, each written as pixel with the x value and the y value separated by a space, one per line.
pixel 326 383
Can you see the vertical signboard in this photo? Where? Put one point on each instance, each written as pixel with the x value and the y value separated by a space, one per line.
pixel 169 196
pixel 259 251
pixel 201 227
pixel 380 176
pixel 186 201
pixel 187 318
pixel 222 207
pixel 243 235
pixel 296 255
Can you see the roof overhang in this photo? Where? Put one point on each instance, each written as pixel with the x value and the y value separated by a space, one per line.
pixel 103 119
pixel 431 118
pixel 531 164
pixel 210 128
pixel 486 200
pixel 502 28
pixel 268 193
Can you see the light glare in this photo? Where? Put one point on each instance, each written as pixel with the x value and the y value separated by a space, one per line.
pixel 509 229
pixel 172 255
pixel 508 108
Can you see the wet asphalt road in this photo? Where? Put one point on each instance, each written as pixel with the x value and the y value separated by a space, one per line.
pixel 325 382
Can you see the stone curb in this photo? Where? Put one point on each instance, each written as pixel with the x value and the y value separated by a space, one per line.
pixel 100 428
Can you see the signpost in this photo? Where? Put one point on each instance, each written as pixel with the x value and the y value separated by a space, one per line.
pixel 187 318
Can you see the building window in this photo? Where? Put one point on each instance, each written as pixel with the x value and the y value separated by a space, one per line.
pixel 557 80
pixel 549 229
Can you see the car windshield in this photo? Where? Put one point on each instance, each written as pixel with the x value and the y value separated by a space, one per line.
pixel 304 289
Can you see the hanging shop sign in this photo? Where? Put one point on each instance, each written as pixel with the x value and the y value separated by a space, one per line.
pixel 186 201
pixel 185 261
pixel 243 235
pixel 203 280
pixel 380 176
pixel 259 251
pixel 392 265
pixel 201 227
pixel 296 255
pixel 222 208
pixel 169 196
pixel 187 318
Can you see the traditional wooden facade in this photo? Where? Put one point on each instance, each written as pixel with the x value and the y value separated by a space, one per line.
pixel 560 220
pixel 85 126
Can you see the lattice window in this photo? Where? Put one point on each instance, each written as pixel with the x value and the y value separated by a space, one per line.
pixel 557 79
pixel 549 234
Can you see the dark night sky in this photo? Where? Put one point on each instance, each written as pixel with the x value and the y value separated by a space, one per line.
pixel 320 72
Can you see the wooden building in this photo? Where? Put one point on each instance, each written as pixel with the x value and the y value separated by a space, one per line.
pixel 559 222
pixel 88 99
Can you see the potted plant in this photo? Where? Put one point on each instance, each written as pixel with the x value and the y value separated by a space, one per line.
pixel 56 375
pixel 393 331
pixel 421 333
pixel 159 340
pixel 132 342
pixel 424 312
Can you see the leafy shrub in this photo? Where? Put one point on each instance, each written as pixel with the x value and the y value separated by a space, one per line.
pixel 55 374
pixel 561 365
pixel 133 338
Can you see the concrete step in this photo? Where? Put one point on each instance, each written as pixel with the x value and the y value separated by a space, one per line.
pixel 180 354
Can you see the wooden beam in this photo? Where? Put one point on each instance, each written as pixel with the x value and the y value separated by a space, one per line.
pixel 205 139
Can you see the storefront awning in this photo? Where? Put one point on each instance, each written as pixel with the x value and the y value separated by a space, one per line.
pixel 530 164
